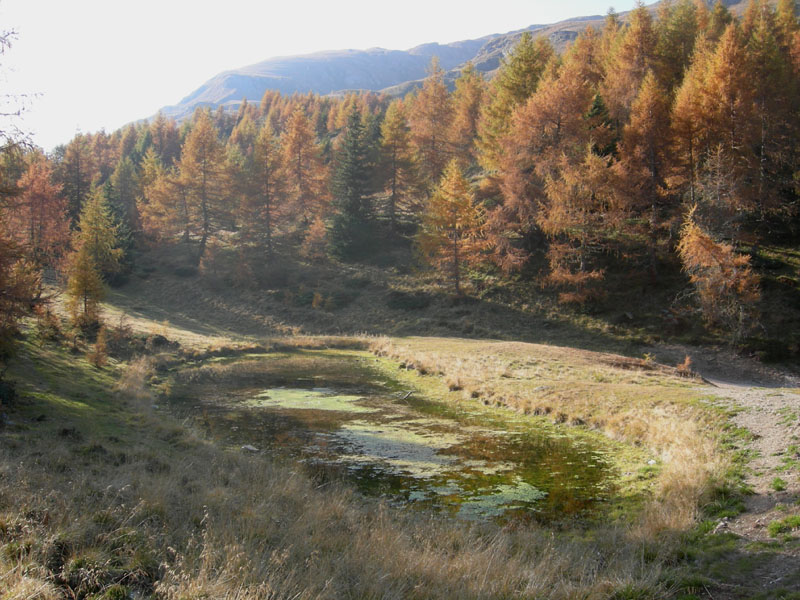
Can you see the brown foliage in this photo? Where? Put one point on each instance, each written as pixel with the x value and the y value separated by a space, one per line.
pixel 452 237
pixel 19 290
pixel 99 354
pixel 430 118
pixel 315 243
pixel 306 174
pixel 727 288
pixel 38 217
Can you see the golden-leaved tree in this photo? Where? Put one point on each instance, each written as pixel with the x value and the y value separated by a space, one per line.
pixel 38 219
pixel 203 179
pixel 430 118
pixel 451 237
pixel 547 132
pixel 265 190
pixel 163 204
pixel 305 172
pixel 687 134
pixel 628 63
pixel 727 288
pixel 577 215
pixel 96 256
pixel 85 288
pixel 516 81
pixel 642 164
pixel 467 104
pixel 98 234
pixel 398 168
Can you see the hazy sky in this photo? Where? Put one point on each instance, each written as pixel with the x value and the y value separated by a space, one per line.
pixel 96 64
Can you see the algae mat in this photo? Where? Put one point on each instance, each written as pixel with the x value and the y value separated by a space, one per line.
pixel 344 415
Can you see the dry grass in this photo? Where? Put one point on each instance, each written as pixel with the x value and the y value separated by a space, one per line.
pixel 635 401
pixel 137 503
pixel 199 522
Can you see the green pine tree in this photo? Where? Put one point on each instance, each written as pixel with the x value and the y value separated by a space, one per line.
pixel 99 234
pixel 352 219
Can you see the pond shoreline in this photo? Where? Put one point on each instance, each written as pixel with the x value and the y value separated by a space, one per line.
pixel 346 411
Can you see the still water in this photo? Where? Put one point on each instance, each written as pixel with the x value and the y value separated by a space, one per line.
pixel 338 413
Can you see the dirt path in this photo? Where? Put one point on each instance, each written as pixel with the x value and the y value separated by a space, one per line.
pixel 768 406
pixel 766 402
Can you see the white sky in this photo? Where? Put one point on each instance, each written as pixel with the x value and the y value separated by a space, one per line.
pixel 97 64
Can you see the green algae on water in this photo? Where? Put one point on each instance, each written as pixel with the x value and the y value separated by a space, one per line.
pixel 313 399
pixel 332 413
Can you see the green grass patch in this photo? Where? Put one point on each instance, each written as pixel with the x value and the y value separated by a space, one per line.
pixel 778 484
pixel 786 525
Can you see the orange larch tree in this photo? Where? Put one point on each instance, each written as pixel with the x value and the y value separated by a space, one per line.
pixel 642 165
pixel 451 237
pixel 260 210
pixel 467 104
pixel 577 215
pixel 38 220
pixel 727 288
pixel 204 177
pixel 430 117
pixel 550 127
pixel 398 168
pixel 305 173
pixel 630 59
pixel 516 81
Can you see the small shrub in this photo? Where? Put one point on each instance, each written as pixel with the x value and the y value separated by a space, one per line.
pixel 15 551
pixel 685 368
pixel 303 298
pixel 48 326
pixel 340 299
pixel 158 343
pixel 114 592
pixel 315 244
pixel 122 343
pixel 778 484
pixel 776 528
pixel 87 325
pixel 99 355
pixel 274 277
pixel 8 392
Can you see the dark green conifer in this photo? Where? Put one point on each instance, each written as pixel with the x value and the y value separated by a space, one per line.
pixel 352 219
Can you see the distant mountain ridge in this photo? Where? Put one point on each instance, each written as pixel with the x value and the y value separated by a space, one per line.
pixel 377 69
pixel 326 72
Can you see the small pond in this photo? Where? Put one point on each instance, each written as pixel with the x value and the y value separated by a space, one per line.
pixel 338 413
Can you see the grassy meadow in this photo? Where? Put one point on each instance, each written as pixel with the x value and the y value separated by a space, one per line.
pixel 105 494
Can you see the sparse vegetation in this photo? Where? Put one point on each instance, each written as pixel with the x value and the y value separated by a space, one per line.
pixel 159 495
pixel 786 525
pixel 778 484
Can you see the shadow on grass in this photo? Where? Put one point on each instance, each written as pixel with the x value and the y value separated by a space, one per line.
pixel 214 310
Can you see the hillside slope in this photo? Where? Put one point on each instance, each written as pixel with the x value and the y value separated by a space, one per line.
pixel 377 69
pixel 324 73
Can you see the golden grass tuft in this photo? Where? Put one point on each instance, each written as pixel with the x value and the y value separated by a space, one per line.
pixel 16 585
